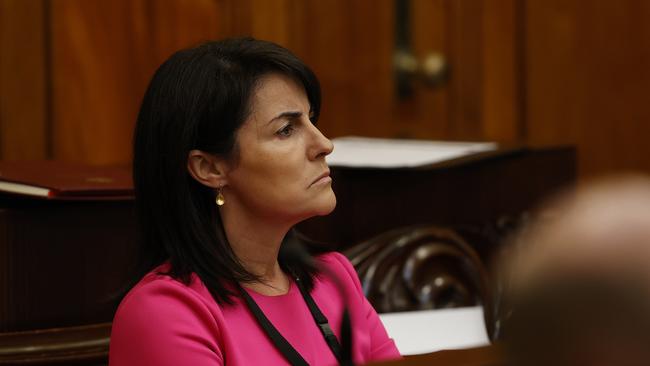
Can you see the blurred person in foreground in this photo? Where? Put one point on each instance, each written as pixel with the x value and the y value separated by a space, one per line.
pixel 227 160
pixel 580 290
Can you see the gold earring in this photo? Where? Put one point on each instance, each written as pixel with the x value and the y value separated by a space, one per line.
pixel 220 200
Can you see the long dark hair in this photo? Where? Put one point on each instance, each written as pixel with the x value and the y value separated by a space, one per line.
pixel 198 99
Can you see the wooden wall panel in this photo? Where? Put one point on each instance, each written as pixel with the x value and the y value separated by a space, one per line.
pixel 23 87
pixel 502 73
pixel 587 80
pixel 264 19
pixel 349 44
pixel 103 55
pixel 465 44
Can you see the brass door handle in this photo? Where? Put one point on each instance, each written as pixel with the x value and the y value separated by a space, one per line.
pixel 432 70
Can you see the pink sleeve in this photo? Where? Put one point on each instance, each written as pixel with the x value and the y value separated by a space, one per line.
pixel 382 346
pixel 164 323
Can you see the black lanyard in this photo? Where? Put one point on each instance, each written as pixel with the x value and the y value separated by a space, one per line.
pixel 280 342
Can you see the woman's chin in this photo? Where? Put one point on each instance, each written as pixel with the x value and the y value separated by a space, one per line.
pixel 329 207
pixel 329 204
pixel 324 207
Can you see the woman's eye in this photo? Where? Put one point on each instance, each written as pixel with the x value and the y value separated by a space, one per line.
pixel 286 131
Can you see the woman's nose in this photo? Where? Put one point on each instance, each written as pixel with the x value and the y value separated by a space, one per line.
pixel 321 145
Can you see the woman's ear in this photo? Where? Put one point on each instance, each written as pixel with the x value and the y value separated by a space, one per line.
pixel 207 169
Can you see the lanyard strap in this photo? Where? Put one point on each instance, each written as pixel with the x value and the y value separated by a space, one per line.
pixel 280 342
pixel 321 320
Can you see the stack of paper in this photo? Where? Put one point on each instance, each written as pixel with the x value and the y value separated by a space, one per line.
pixel 417 332
pixel 389 153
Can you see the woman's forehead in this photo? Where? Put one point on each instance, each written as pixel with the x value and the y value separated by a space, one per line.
pixel 277 93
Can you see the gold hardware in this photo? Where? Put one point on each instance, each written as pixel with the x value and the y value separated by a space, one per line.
pixel 432 70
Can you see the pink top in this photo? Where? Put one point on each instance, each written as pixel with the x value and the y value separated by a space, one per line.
pixel 163 322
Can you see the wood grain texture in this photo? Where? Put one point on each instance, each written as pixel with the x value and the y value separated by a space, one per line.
pixel 104 54
pixel 426 113
pixel 587 80
pixel 23 85
pixel 349 44
pixel 477 102
pixel 466 45
pixel 501 113
pixel 263 19
pixel 66 261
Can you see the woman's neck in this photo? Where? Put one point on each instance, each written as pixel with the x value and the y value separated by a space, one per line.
pixel 257 249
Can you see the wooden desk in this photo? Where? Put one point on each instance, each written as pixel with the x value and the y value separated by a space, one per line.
pixel 481 356
pixel 60 261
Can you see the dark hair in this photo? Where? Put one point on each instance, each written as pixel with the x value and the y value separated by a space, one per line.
pixel 198 99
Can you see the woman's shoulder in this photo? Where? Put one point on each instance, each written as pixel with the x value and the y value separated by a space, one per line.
pixel 334 259
pixel 158 295
pixel 161 312
pixel 158 282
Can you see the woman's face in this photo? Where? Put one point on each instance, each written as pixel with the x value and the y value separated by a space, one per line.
pixel 280 171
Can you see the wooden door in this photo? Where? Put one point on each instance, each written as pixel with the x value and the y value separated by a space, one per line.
pixel 352 46
pixel 478 99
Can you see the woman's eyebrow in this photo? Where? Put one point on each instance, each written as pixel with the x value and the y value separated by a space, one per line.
pixel 289 114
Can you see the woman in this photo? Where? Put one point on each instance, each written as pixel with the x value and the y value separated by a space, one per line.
pixel 227 159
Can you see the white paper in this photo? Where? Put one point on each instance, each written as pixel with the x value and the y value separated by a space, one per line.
pixel 417 332
pixel 369 152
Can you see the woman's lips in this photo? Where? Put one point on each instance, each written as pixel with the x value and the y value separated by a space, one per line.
pixel 322 180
